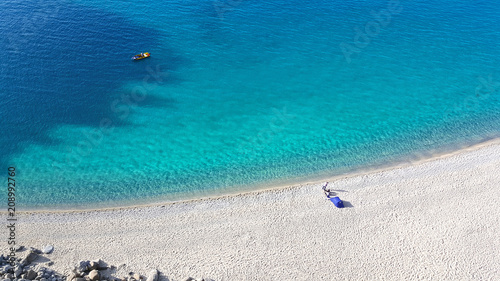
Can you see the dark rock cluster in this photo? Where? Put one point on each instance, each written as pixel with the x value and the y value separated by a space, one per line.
pixel 35 266
pixel 24 268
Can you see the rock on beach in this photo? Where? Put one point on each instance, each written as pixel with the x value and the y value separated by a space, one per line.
pixel 48 249
pixel 153 275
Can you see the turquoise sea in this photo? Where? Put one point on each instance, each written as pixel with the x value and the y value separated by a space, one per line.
pixel 237 95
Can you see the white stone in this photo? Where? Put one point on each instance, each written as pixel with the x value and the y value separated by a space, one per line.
pixel 94 275
pixel 153 275
pixel 48 249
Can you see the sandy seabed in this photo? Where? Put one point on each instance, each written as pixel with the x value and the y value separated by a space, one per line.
pixel 436 220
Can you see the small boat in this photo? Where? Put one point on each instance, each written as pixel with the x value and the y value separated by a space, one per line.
pixel 141 56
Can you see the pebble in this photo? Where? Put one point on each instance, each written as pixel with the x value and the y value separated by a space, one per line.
pixel 31 274
pixel 8 267
pixel 48 249
pixel 153 275
pixel 94 275
pixel 101 265
pixel 83 266
pixel 18 271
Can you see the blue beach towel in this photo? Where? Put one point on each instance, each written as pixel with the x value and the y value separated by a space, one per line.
pixel 337 202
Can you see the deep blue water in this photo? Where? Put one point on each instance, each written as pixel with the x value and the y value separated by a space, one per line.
pixel 237 94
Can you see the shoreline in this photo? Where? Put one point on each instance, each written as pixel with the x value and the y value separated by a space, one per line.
pixel 435 220
pixel 267 188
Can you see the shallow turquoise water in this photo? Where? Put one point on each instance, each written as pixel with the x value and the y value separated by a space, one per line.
pixel 236 95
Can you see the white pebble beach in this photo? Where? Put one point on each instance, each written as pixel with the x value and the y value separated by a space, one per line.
pixel 434 220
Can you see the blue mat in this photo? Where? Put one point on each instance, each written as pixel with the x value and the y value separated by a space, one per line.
pixel 337 202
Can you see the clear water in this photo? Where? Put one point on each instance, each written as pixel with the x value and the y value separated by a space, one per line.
pixel 236 95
